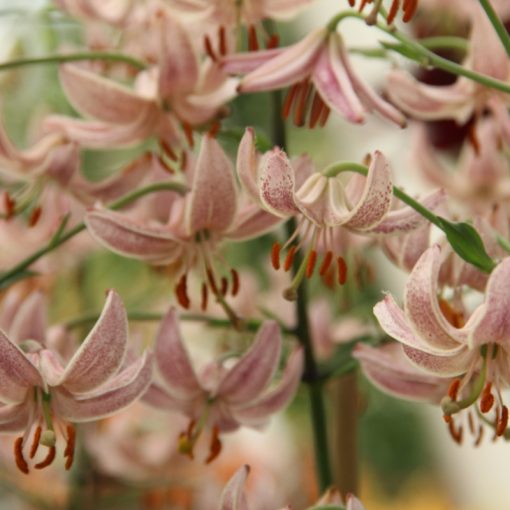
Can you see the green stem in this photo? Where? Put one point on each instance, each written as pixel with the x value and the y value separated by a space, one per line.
pixel 73 57
pixel 55 242
pixel 424 56
pixel 497 24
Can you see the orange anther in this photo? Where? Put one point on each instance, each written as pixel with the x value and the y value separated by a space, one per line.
pixel 181 292
pixel 205 296
pixel 310 264
pixel 224 286
pixel 223 40
pixel 188 132
pixel 316 110
pixel 215 448
pixel 289 100
pixel 235 282
pixel 21 463
pixel 324 116
pixel 480 435
pixel 289 258
pixel 502 422
pixel 209 49
pixel 168 150
pixel 70 446
pixel 487 400
pixel 273 42
pixel 35 442
pixel 48 460
pixel 326 263
pixel 214 129
pixel 410 7
pixel 302 102
pixel 393 11
pixel 253 43
pixel 453 390
pixel 342 270
pixel 10 206
pixel 275 255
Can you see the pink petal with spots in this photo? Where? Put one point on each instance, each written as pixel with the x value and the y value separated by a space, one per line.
pixel 213 199
pixel 173 361
pixel 247 164
pixel 124 236
pixel 390 370
pixel 442 366
pixel 276 183
pixel 159 398
pixel 102 353
pixel 17 373
pixel 255 369
pixel 30 323
pixel 80 409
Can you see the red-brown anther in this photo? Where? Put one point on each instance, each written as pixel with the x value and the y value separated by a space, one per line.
pixel 324 116
pixel 181 292
pixel 456 434
pixel 316 110
pixel 168 150
pixel 188 132
pixel 209 49
pixel 166 167
pixel 289 258
pixel 447 418
pixel 329 277
pixel 275 255
pixel 223 40
pixel 310 264
pixel 393 11
pixel 215 448
pixel 235 282
pixel 487 400
pixel 253 43
pixel 289 100
pixel 301 105
pixel 453 390
pixel 342 270
pixel 326 263
pixel 352 3
pixel 205 297
pixel 34 216
pixel 35 442
pixel 184 161
pixel 10 206
pixel 50 457
pixel 21 463
pixel 480 435
pixel 273 42
pixel 410 7
pixel 224 286
pixel 502 423
pixel 214 129
pixel 212 281
pixel 70 446
pixel 471 423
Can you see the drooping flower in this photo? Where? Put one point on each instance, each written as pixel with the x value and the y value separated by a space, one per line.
pixel 442 341
pixel 321 203
pixel 197 223
pixel 42 398
pixel 318 62
pixel 221 398
pixel 409 8
pixel 233 497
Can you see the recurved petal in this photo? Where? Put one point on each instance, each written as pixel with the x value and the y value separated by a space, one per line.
pixel 290 66
pixel 80 409
pixel 252 221
pixel 242 63
pixel 276 183
pixel 375 200
pixel 422 307
pixel 247 164
pixel 255 369
pixel 406 218
pixel 102 353
pixel 178 69
pixel 99 97
pixel 427 102
pixel 232 497
pixel 333 84
pixel 124 236
pixel 256 413
pixel 14 418
pixel 213 200
pixel 159 398
pixel 390 370
pixel 29 323
pixel 441 365
pixel 17 373
pixel 173 360
pixel 491 321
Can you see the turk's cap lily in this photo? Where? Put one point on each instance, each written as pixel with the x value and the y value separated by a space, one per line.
pixel 95 383
pixel 223 398
pixel 233 497
pixel 319 60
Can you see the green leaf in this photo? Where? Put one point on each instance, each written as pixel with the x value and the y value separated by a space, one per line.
pixel 467 243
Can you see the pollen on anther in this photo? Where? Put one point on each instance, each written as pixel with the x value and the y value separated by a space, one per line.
pixel 50 457
pixel 235 282
pixel 480 435
pixel 393 11
pixel 70 447
pixel 289 258
pixel 35 442
pixel 342 270
pixel 453 390
pixel 326 263
pixel 21 463
pixel 275 255
pixel 502 422
pixel 34 217
pixel 310 264
pixel 182 293
pixel 487 400
pixel 215 448
pixel 410 7
pixel 223 40
pixel 273 42
pixel 209 49
pixel 253 43
pixel 289 100
pixel 224 286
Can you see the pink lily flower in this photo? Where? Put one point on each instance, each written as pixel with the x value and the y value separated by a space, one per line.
pixel 211 212
pixel 113 12
pixel 465 97
pixel 320 62
pixel 440 340
pixel 220 398
pixel 41 397
pixel 322 203
pixel 233 497
pixel 178 89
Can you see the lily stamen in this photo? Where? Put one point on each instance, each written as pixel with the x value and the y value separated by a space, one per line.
pixel 35 441
pixel 21 463
pixel 50 457
pixel 70 446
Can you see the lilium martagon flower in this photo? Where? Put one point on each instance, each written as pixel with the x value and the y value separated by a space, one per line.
pixel 211 212
pixel 319 63
pixel 321 202
pixel 219 397
pixel 43 398
pixel 469 352
pixel 233 497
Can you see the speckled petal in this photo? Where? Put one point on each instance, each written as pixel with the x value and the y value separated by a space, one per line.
pixel 247 164
pixel 441 365
pixel 30 322
pixel 232 497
